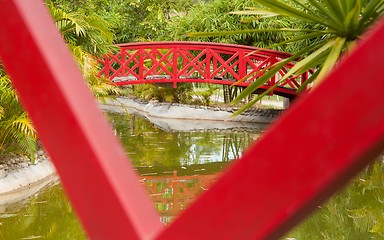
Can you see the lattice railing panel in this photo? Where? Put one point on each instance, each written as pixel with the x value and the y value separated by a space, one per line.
pixel 195 62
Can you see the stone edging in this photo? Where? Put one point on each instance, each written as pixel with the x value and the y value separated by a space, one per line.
pixel 26 177
pixel 196 112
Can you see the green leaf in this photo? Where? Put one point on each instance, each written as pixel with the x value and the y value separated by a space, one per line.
pixel 309 80
pixel 331 20
pixel 351 21
pixel 258 98
pixel 335 8
pixel 254 12
pixel 296 39
pixel 224 33
pixel 8 215
pixel 310 60
pixel 257 83
pixel 286 10
pixel 331 59
pixel 272 70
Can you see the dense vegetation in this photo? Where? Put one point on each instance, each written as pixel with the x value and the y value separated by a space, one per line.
pixel 169 20
pixel 337 25
pixel 84 34
pixel 321 30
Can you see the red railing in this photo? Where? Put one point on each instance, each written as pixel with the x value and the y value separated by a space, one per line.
pixel 158 62
pixel 341 130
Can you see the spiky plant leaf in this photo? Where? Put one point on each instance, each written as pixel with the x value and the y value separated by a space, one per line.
pixel 340 23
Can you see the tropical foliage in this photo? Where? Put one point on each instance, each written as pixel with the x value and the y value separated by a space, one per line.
pixel 338 25
pixel 134 20
pixel 91 32
pixel 213 17
pixel 16 130
pixel 84 35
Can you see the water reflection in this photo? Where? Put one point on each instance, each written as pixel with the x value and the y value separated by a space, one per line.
pixel 172 194
pixel 357 213
pixel 46 215
pixel 177 166
pixel 148 145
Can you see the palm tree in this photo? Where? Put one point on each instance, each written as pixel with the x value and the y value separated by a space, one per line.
pixel 87 36
pixel 17 133
pixel 84 35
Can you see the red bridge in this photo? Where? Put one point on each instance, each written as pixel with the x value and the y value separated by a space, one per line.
pixel 172 62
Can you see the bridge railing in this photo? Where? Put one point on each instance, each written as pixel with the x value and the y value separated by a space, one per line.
pixel 151 62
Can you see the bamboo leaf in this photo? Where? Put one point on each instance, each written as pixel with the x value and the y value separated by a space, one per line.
pixel 296 39
pixel 254 12
pixel 224 33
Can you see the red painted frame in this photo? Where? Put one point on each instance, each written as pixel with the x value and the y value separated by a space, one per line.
pixel 342 132
pixel 137 63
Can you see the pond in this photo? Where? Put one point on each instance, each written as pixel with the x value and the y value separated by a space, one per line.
pixel 175 166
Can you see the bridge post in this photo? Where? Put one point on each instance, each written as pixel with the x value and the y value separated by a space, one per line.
pixel 272 81
pixel 242 65
pixel 175 70
pixel 208 57
pixel 107 66
pixel 286 102
pixel 304 77
pixel 141 63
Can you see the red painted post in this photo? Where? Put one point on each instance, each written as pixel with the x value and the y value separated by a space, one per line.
pixel 107 66
pixel 208 57
pixel 123 60
pixel 242 65
pixel 174 66
pixel 141 63
pixel 97 176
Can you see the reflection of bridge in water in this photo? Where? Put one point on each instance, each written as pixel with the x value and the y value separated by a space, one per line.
pixel 172 189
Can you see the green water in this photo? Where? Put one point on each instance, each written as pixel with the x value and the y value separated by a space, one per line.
pixel 194 157
pixel 175 167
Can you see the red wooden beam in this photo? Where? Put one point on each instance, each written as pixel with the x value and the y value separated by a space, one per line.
pixel 344 130
pixel 292 170
pixel 92 165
